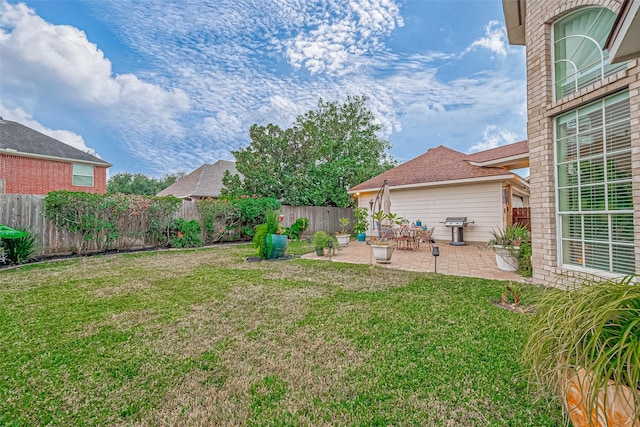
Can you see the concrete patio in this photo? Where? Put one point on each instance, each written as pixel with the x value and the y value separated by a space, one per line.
pixel 472 260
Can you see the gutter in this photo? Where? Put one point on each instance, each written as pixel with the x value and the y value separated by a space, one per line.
pixel 450 182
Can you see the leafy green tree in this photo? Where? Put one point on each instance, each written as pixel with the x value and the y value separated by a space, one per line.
pixel 328 150
pixel 140 184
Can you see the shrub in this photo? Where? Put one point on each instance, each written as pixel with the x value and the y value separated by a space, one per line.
pixel 524 260
pixel 252 211
pixel 297 228
pixel 20 249
pixel 220 219
pixel 185 234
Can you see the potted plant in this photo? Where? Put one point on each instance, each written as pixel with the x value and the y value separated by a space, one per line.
pixel 268 240
pixel 585 345
pixel 382 251
pixel 506 245
pixel 344 237
pixel 320 241
pixel 360 223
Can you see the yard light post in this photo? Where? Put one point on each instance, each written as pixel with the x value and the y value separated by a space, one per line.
pixel 435 251
pixel 330 244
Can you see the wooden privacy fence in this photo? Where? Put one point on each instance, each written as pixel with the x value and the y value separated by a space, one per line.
pixel 522 216
pixel 17 210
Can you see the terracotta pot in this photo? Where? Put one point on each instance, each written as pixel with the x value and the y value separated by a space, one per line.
pixel 613 410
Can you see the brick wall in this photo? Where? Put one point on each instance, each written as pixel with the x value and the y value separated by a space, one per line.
pixel 542 109
pixel 25 175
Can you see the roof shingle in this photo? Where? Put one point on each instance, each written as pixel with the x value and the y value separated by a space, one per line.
pixel 438 164
pixel 206 181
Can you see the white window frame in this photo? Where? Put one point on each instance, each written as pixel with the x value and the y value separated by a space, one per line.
pixel 582 240
pixel 603 66
pixel 80 171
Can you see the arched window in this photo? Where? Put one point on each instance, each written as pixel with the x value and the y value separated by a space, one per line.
pixel 578 50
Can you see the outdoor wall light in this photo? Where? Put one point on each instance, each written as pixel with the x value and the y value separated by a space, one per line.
pixel 435 251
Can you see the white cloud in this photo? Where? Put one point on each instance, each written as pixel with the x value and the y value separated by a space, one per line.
pixel 351 31
pixel 493 137
pixel 208 70
pixel 63 67
pixel 495 39
pixel 24 118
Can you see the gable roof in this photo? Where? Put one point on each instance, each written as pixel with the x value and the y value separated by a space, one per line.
pixel 511 156
pixel 206 181
pixel 440 165
pixel 17 139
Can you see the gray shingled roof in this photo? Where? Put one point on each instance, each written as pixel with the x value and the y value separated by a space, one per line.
pixel 206 181
pixel 24 140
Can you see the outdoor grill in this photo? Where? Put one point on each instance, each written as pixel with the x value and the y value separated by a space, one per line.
pixel 457 224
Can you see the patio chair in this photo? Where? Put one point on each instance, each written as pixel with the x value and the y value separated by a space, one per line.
pixel 427 236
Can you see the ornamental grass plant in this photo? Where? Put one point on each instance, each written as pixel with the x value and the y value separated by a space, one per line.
pixel 595 327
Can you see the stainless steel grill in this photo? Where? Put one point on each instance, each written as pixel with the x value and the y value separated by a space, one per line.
pixel 457 224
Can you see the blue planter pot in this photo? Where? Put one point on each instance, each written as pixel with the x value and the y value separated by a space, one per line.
pixel 276 245
pixel 362 237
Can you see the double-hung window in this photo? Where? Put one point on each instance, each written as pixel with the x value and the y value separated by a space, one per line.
pixel 82 175
pixel 579 56
pixel 593 179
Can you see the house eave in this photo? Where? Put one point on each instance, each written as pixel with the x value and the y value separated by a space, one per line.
pixel 512 162
pixel 514 17
pixel 11 152
pixel 449 182
pixel 623 41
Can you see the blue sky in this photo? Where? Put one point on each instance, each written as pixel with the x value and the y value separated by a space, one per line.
pixel 159 87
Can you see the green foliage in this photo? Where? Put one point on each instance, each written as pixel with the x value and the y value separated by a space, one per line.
pixel 159 213
pixel 89 214
pixel 595 327
pixel 524 260
pixel 104 218
pixel 272 220
pixel 262 231
pixel 185 234
pixel 220 218
pixel 344 223
pixel 297 228
pixel 360 220
pixel 140 184
pixel 252 211
pixel 509 237
pixel 320 239
pixel 20 249
pixel 327 151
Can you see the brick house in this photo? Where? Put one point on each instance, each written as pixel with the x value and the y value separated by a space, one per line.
pixel 445 183
pixel 584 135
pixel 34 163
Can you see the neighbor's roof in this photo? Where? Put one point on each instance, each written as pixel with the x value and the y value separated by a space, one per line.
pixel 440 165
pixel 19 140
pixel 206 181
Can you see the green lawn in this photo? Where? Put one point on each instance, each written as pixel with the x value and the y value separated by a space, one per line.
pixel 203 338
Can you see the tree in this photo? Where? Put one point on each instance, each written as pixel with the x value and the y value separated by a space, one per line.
pixel 140 184
pixel 327 150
